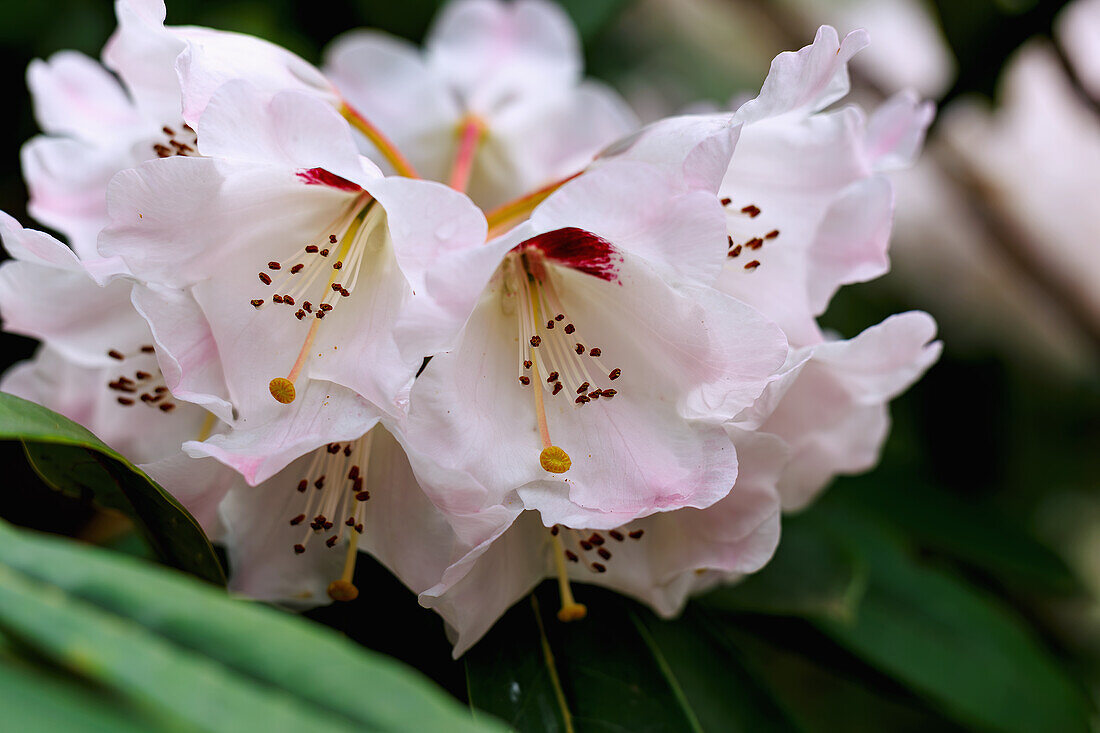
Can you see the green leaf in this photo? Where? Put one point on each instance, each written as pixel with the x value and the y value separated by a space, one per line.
pixel 819 693
pixel 813 574
pixel 72 459
pixel 974 533
pixel 171 644
pixel 619 669
pixel 949 641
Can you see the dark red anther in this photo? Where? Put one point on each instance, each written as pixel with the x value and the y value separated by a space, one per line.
pixel 527 364
pixel 604 553
pixel 265 278
pixel 307 307
pixel 303 485
pixel 300 314
pixel 729 240
pixel 579 348
pixel 326 307
pixel 353 473
pixel 755 243
pixel 142 375
pixel 536 340
pixel 333 448
pixel 167 407
pixel 297 520
pixel 299 549
pixel 751 210
pixel 331 541
pixel 359 528
pixel 350 521
pixel 168 131
pixel 614 374
pixel 750 266
pixel 582 400
pixel 328 525
pixel 559 317
pixel 595 394
pixel 288 300
pixel 148 349
pixel 337 264
pixel 362 496
pixel 583 388
pixel 616 535
pixel 552 377
pixel 296 269
pixel 332 239
pixel 347 449
pixel 335 287
pixel 319 314
pixel 571 556
pixel 554 530
pixel 570 328
pixel 276 298
pixel 525 380
pixel 126 401
pixel 274 265
pixel 344 292
pixel 549 324
pixel 557 388
pixel 319 483
pixel 735 251
pixel 599 567
pixel 256 302
pixel 585 545
pixel 594 351
pixel 726 201
pixel 596 539
pixel 323 253
pixel 115 355
pixel 311 249
pixel 357 484
pixel 636 534
pixel 772 234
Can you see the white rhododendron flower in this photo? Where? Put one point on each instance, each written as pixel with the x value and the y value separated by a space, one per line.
pixel 495 103
pixel 602 365
pixel 303 260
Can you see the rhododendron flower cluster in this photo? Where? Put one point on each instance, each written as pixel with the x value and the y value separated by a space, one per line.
pixel 452 308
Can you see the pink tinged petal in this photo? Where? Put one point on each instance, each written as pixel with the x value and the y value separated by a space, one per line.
pixel 851 244
pixel 547 139
pixel 213 58
pixel 834 416
pixel 179 220
pixel 895 132
pixel 75 96
pixel 47 294
pixel 492 52
pixel 1077 28
pixel 142 433
pixel 294 129
pixel 321 177
pixel 489 579
pixel 260 447
pixel 387 80
pixel 806 81
pixel 143 53
pixel 641 211
pixel 187 352
pixel 696 148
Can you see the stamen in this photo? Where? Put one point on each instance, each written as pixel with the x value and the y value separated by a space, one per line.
pixel 504 217
pixel 343 589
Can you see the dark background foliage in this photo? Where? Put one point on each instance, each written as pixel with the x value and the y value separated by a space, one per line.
pixel 990 475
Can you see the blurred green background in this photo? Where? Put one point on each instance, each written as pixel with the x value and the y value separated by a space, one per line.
pixel 992 472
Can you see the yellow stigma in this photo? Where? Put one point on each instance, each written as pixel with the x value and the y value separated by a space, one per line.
pixel 572 612
pixel 555 460
pixel 282 389
pixel 342 590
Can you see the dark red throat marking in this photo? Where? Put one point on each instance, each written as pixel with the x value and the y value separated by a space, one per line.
pixel 322 177
pixel 579 250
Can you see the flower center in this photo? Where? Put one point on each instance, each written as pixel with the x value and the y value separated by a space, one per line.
pixel 146 386
pixel 750 243
pixel 577 546
pixel 553 354
pixel 183 142
pixel 313 283
pixel 333 503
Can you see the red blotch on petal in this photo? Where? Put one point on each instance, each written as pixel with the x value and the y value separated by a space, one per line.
pixel 322 177
pixel 578 249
